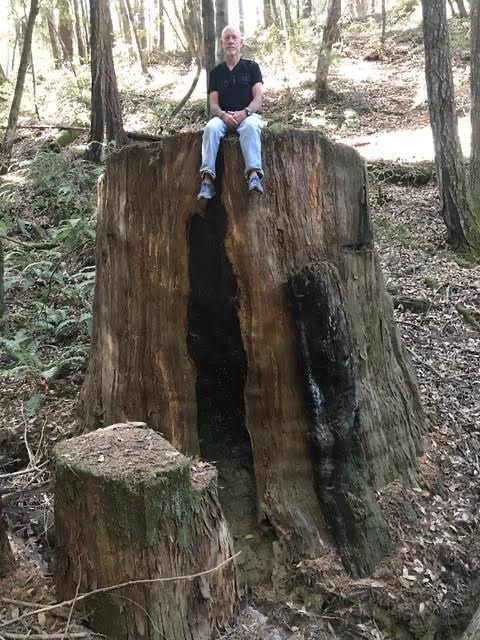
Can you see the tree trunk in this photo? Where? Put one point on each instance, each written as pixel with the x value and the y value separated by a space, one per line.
pixel 128 506
pixel 288 18
pixel 452 7
pixel 97 124
pixel 124 21
pixel 330 35
pixel 3 77
pixel 52 33
pixel 85 23
pixel 462 11
pixel 267 13
pixel 208 22
pixel 65 30
pixel 221 21
pixel 161 26
pixel 475 110
pixel 106 112
pixel 462 228
pixel 140 23
pixel 82 50
pixel 384 22
pixel 141 56
pixel 230 362
pixel 241 16
pixel 307 9
pixel 22 72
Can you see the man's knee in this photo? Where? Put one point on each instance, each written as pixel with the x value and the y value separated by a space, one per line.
pixel 215 125
pixel 252 124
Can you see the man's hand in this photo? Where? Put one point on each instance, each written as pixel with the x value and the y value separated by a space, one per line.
pixel 230 120
pixel 239 116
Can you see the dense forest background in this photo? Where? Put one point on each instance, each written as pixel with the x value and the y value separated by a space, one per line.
pixel 362 72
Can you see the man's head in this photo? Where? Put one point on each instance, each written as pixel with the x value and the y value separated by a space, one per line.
pixel 232 42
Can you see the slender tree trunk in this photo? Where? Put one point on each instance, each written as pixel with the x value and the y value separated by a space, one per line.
pixel 307 9
pixel 85 23
pixel 96 137
pixel 452 7
pixel 22 71
pixel 330 36
pixel 462 230
pixel 111 98
pixel 52 34
pixel 106 110
pixel 221 21
pixel 288 18
pixel 141 56
pixel 384 22
pixel 82 50
pixel 475 110
pixel 462 11
pixel 125 22
pixel 161 26
pixel 208 21
pixel 276 14
pixel 140 23
pixel 241 16
pixel 267 13
pixel 65 30
pixel 3 77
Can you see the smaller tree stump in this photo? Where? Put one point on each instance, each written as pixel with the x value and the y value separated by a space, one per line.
pixel 129 506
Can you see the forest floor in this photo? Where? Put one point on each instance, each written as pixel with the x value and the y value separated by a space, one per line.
pixel 430 584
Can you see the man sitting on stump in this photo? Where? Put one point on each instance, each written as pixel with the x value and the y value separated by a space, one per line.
pixel 235 99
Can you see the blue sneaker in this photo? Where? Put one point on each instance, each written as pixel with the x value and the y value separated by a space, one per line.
pixel 255 184
pixel 207 191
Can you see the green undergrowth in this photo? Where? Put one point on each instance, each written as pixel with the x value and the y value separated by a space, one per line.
pixel 47 218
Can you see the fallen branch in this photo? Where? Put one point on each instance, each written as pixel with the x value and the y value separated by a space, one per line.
pixel 83 596
pixel 21 603
pixel 22 472
pixel 13 496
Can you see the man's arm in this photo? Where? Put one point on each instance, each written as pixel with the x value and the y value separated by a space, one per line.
pixel 215 110
pixel 255 105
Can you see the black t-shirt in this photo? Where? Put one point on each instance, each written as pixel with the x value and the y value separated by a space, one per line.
pixel 234 87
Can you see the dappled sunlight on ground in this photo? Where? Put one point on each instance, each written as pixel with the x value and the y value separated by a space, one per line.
pixel 412 145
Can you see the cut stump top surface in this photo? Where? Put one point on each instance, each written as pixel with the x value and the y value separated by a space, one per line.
pixel 121 450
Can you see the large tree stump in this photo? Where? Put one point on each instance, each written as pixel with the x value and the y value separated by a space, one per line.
pixel 128 506
pixel 258 333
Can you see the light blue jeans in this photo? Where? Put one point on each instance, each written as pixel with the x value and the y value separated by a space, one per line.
pixel 250 143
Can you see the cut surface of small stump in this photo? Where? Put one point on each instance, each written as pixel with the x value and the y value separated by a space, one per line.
pixel 129 506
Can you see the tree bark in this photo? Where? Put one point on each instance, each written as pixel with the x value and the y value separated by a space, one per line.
pixel 128 506
pixel 221 21
pixel 241 16
pixel 3 77
pixel 123 13
pixel 462 226
pixel 65 30
pixel 141 55
pixel 229 361
pixel 267 13
pixel 52 33
pixel 330 35
pixel 208 22
pixel 161 25
pixel 462 11
pixel 140 23
pixel 22 72
pixel 106 112
pixel 307 9
pixel 82 50
pixel 475 109
pixel 97 124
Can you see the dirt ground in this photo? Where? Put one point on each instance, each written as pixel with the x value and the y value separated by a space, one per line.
pixel 430 584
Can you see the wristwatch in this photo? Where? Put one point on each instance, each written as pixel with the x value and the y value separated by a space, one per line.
pixel 248 112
